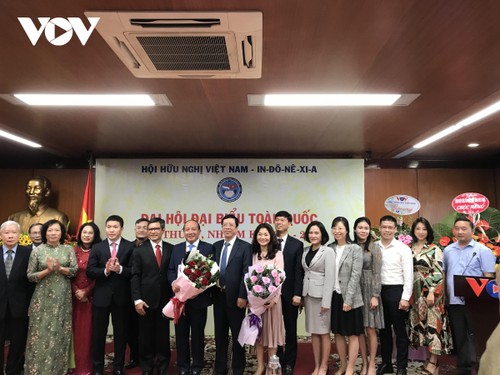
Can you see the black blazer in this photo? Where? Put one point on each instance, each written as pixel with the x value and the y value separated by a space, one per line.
pixel 179 253
pixel 149 282
pixel 236 268
pixel 114 287
pixel 292 255
pixel 16 291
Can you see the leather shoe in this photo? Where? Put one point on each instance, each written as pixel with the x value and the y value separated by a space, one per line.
pixel 385 369
pixel 118 372
pixel 288 370
pixel 147 373
pixel 183 372
pixel 195 372
pixel 401 371
pixel 97 373
pixel 131 364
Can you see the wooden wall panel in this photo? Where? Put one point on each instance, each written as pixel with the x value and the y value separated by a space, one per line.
pixel 437 188
pixel 382 183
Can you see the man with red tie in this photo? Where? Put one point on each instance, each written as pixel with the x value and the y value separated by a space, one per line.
pixel 110 266
pixel 150 292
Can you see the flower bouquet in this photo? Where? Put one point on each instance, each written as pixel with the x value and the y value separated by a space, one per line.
pixel 194 276
pixel 262 283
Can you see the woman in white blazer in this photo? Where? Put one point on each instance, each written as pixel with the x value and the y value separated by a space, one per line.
pixel 347 301
pixel 319 271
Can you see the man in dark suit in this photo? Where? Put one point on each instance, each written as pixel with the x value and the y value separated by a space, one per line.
pixel 35 234
pixel 109 265
pixel 233 256
pixel 151 292
pixel 291 291
pixel 15 296
pixel 195 312
pixel 141 236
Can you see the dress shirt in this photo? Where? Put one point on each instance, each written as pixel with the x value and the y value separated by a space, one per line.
pixel 117 242
pixel 5 254
pixel 229 249
pixel 153 245
pixel 283 240
pixel 195 245
pixel 462 261
pixel 397 266
pixel 339 250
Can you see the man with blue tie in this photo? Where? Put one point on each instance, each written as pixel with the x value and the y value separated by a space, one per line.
pixel 194 318
pixel 234 256
pixel 15 296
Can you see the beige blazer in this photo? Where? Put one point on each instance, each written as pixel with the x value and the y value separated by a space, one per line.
pixel 319 276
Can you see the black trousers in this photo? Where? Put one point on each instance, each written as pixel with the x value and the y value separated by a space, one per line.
pixel 462 330
pixel 225 318
pixel 16 329
pixel 154 340
pixel 133 333
pixel 288 354
pixel 394 318
pixel 100 321
pixel 192 324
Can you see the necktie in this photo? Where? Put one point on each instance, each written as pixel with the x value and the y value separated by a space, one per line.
pixel 223 262
pixel 280 240
pixel 8 263
pixel 190 247
pixel 158 255
pixel 113 250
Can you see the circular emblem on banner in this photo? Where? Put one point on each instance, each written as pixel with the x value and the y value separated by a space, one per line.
pixel 492 288
pixel 402 204
pixel 470 203
pixel 229 189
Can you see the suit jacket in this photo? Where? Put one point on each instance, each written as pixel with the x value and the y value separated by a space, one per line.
pixel 292 255
pixel 178 255
pixel 114 287
pixel 319 276
pixel 149 282
pixel 16 291
pixel 350 268
pixel 236 268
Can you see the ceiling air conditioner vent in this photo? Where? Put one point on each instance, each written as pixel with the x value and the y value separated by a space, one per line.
pixel 185 45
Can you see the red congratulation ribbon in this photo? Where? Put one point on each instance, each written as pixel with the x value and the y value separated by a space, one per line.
pixel 178 309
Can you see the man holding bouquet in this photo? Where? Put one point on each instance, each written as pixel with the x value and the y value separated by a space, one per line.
pixel 233 256
pixel 194 318
pixel 150 292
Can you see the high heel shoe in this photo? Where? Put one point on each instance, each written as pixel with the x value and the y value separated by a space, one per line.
pixel 426 371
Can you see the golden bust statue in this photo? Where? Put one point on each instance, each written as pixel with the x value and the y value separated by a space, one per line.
pixel 37 195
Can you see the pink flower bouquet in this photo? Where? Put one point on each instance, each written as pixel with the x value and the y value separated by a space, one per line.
pixel 262 283
pixel 194 276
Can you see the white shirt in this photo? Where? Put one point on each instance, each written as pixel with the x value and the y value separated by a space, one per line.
pixel 397 266
pixel 229 248
pixel 339 250
pixel 153 245
pixel 283 240
pixel 195 245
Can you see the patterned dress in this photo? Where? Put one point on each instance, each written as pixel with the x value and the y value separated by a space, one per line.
pixel 49 332
pixel 371 285
pixel 429 326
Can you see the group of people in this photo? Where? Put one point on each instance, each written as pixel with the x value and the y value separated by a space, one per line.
pixel 56 300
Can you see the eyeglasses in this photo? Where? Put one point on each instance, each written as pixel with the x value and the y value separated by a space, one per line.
pixel 154 229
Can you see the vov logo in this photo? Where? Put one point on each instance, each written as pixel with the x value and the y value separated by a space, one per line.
pixel 49 25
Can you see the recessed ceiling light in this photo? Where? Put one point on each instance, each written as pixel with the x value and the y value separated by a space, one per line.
pixel 15 138
pixel 473 145
pixel 330 100
pixel 122 100
pixel 413 164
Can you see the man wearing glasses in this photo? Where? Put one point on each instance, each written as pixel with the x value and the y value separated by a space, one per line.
pixel 397 284
pixel 151 292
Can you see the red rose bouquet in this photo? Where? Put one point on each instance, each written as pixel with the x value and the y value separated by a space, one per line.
pixel 194 276
pixel 262 283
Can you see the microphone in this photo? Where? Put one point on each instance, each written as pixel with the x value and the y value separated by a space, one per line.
pixel 467 266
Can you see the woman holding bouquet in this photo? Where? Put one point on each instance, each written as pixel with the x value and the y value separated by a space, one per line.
pixel 318 261
pixel 265 252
